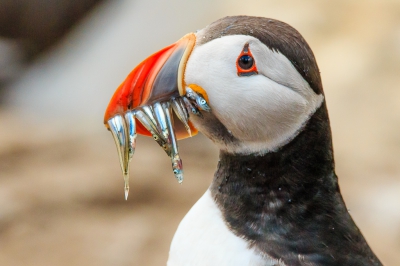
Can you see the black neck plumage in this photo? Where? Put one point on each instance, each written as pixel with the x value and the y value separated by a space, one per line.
pixel 287 204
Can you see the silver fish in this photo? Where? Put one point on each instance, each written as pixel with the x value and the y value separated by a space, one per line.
pixel 152 128
pixel 177 168
pixel 131 145
pixel 200 101
pixel 158 120
pixel 190 94
pixel 149 112
pixel 161 119
pixel 131 128
pixel 182 114
pixel 193 109
pixel 183 106
pixel 120 134
pixel 175 159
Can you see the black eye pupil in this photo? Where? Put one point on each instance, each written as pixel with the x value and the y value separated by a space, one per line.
pixel 246 62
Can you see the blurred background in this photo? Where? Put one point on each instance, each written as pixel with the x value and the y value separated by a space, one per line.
pixel 61 190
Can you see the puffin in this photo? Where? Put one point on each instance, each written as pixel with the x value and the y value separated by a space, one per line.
pixel 253 87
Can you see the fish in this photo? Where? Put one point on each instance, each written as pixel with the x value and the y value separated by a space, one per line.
pixel 147 122
pixel 198 99
pixel 157 118
pixel 181 113
pixel 175 158
pixel 193 109
pixel 119 131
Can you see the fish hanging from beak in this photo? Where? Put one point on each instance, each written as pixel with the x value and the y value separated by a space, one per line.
pixel 149 99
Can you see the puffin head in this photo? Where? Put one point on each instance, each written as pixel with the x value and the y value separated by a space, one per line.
pixel 258 76
pixel 261 80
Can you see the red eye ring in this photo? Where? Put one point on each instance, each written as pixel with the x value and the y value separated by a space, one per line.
pixel 245 63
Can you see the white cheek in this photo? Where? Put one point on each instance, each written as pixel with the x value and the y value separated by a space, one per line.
pixel 263 111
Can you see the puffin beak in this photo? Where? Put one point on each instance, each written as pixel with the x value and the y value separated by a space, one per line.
pixel 158 78
pixel 148 95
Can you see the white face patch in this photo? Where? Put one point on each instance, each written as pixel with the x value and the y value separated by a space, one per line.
pixel 263 111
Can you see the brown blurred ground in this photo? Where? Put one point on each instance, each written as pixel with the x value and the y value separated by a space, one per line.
pixel 61 196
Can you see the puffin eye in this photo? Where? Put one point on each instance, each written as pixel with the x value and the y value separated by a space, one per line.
pixel 245 64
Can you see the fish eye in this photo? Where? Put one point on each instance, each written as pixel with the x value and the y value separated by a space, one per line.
pixel 246 62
